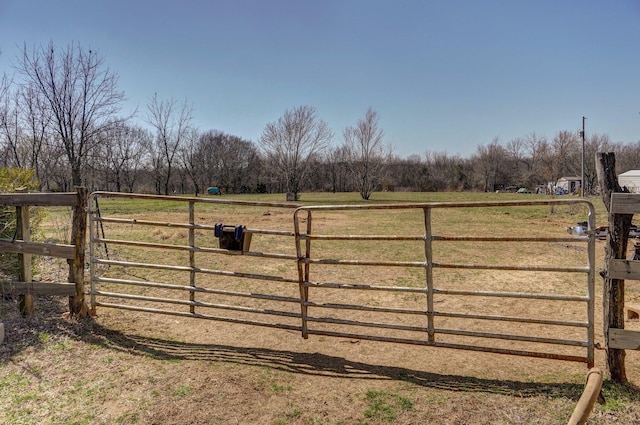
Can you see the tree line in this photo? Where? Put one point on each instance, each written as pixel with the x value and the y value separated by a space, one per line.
pixel 61 116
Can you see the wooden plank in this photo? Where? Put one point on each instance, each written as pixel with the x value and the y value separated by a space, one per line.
pixel 68 199
pixel 625 203
pixel 624 269
pixel 39 288
pixel 624 339
pixel 38 248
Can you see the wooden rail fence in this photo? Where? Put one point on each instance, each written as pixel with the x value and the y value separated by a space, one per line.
pixel 24 287
pixel 625 339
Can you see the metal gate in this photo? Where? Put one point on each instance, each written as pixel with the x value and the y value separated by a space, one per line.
pixel 433 274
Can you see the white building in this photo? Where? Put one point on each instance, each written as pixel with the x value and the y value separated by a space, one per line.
pixel 630 179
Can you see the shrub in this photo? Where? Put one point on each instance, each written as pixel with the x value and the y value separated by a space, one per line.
pixel 13 180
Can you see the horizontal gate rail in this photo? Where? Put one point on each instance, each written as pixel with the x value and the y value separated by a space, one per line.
pixel 513 319
pixel 197 304
pixel 197 289
pixel 196 199
pixel 442 265
pixel 366 308
pixel 364 287
pixel 193 248
pixel 441 238
pixel 523 295
pixel 200 316
pixel 190 269
pixel 185 226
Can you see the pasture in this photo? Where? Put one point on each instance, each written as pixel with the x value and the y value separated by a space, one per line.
pixel 134 367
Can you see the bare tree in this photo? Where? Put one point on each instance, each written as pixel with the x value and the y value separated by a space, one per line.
pixel 490 164
pixel 25 129
pixel 627 156
pixel 4 104
pixel 192 163
pixel 407 174
pixel 171 131
pixel 4 96
pixel 80 95
pixel 445 172
pixel 9 125
pixel 595 144
pixel 367 152
pixel 219 159
pixel 561 157
pixel 124 150
pixel 516 150
pixel 37 130
pixel 233 158
pixel 291 141
pixel 338 169
pixel 207 161
pixel 536 147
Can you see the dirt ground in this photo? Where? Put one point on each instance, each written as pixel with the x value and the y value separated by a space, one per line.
pixel 132 368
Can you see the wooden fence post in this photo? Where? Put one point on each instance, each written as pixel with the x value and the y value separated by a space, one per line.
pixel 616 248
pixel 77 304
pixel 25 301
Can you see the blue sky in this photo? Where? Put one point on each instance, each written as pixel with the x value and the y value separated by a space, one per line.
pixel 444 76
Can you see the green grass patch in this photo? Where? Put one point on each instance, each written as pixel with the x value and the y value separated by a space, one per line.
pixel 385 406
pixel 182 390
pixel 618 397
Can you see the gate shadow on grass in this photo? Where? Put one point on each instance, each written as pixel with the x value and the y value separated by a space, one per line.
pixel 22 334
pixel 318 364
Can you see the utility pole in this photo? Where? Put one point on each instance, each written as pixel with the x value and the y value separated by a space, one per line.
pixel 582 187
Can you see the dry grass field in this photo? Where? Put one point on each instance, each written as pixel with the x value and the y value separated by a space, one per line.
pixel 134 367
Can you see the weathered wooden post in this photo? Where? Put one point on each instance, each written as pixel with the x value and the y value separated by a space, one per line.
pixel 77 304
pixel 616 248
pixel 23 232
